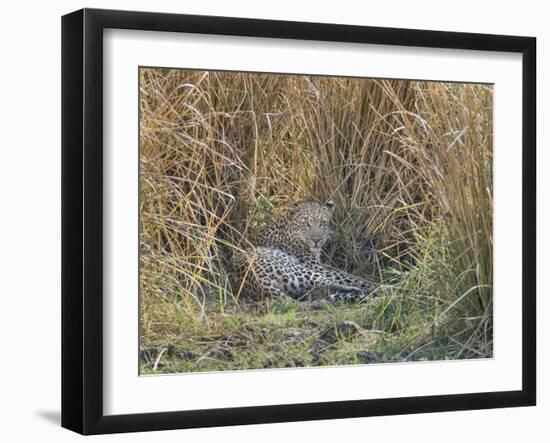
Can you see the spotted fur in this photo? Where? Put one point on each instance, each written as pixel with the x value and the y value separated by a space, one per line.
pixel 301 231
pixel 286 258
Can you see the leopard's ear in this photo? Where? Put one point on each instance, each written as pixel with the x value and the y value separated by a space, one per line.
pixel 330 204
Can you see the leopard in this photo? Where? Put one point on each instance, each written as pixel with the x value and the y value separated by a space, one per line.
pixel 285 259
pixel 301 231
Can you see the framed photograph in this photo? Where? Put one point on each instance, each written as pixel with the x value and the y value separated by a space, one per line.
pixel 269 221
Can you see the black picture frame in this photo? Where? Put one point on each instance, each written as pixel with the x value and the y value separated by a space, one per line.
pixel 82 218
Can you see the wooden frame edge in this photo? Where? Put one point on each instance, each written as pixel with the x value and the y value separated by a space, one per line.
pixel 82 359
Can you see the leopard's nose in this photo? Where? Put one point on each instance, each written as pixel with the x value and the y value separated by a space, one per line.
pixel 315 238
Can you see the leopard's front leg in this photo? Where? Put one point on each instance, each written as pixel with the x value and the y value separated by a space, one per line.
pixel 357 295
pixel 341 292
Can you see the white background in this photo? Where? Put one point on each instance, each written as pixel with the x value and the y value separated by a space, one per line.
pixel 30 219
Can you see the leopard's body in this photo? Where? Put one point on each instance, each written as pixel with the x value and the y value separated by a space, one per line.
pixel 286 258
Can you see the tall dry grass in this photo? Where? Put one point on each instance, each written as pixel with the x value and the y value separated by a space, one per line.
pixel 408 164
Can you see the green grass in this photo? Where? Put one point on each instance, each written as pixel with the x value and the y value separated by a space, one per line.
pixel 409 166
pixel 285 333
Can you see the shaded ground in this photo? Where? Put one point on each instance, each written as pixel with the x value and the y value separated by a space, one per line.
pixel 284 333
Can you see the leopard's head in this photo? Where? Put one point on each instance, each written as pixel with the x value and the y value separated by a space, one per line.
pixel 309 224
